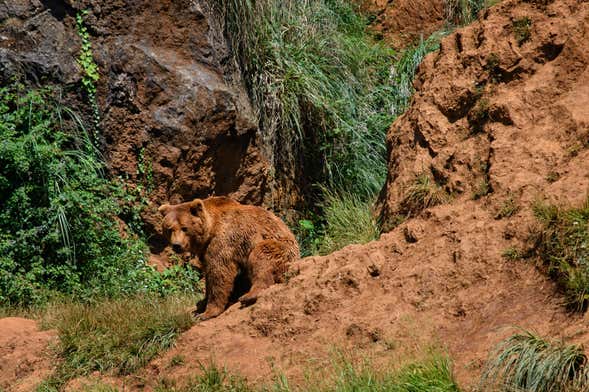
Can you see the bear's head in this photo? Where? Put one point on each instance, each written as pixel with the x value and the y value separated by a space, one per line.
pixel 186 225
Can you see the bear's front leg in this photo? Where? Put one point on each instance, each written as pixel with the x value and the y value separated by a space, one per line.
pixel 200 307
pixel 220 278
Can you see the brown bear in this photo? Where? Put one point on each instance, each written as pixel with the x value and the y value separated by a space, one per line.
pixel 230 238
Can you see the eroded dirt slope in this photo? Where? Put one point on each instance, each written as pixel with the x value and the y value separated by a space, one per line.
pixel 497 105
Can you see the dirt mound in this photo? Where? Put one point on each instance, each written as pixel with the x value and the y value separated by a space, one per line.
pixel 24 357
pixel 403 22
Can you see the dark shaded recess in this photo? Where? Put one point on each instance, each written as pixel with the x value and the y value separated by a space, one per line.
pixel 230 152
pixel 241 286
pixel 549 52
pixel 419 137
pixel 455 112
pixel 59 9
pixel 156 242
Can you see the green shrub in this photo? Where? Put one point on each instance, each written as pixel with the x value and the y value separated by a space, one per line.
pixel 61 220
pixel 525 362
pixel 562 243
pixel 463 12
pixel 118 336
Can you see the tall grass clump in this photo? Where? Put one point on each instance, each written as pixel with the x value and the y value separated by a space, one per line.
pixel 422 193
pixel 321 86
pixel 62 224
pixel 348 220
pixel 526 362
pixel 562 243
pixel 116 336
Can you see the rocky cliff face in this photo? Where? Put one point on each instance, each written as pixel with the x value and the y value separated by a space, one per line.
pixel 174 114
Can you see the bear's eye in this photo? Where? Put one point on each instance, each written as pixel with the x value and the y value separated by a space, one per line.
pixel 185 229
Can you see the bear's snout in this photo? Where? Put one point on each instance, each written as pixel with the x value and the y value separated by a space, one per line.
pixel 177 248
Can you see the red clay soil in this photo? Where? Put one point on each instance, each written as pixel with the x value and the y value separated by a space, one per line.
pixel 488 109
pixel 24 357
pixel 403 22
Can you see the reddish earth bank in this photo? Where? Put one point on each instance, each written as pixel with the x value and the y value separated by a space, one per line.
pixel 496 106
pixel 403 22
pixel 24 356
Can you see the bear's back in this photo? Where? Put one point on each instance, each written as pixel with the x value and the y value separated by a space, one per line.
pixel 235 219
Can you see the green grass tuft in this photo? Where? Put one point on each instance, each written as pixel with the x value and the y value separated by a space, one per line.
pixel 528 363
pixel 522 30
pixel 463 12
pixel 422 194
pixel 507 209
pixel 433 374
pixel 348 220
pixel 114 336
pixel 562 243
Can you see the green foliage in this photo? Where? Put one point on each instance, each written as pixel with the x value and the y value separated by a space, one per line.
pixel 86 59
pixel 507 209
pixel 118 336
pixel 525 362
pixel 433 374
pixel 482 189
pixel 61 221
pixel 308 235
pixel 404 69
pixel 512 253
pixel 348 220
pixel 563 245
pixel 521 30
pixel 145 170
pixel 89 67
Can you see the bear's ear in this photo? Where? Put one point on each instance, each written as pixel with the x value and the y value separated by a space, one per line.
pixel 164 209
pixel 197 207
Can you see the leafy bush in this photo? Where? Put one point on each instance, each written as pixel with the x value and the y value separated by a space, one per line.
pixel 117 336
pixel 525 362
pixel 61 221
pixel 562 243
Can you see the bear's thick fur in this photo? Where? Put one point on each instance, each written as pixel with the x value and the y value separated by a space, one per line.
pixel 230 238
